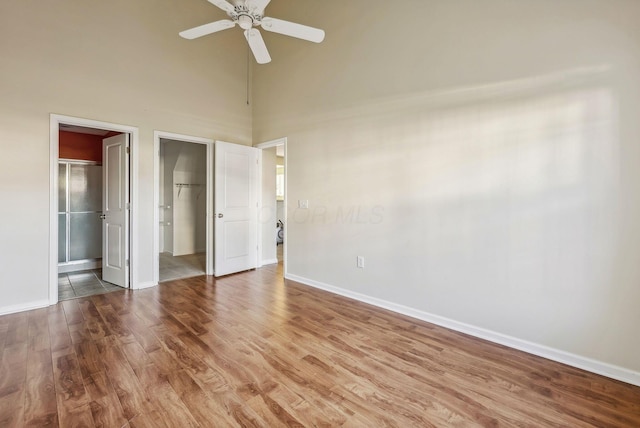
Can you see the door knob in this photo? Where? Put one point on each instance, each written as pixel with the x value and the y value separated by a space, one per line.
pixel 220 215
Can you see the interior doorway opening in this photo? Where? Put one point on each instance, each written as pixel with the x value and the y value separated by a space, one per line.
pixel 280 203
pixel 273 201
pixel 80 196
pixel 82 237
pixel 183 193
pixel 182 209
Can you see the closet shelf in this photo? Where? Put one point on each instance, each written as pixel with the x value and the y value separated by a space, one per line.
pixel 181 186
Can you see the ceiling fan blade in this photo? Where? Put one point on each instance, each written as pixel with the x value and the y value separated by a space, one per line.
pixel 292 29
pixel 257 5
pixel 203 30
pixel 256 43
pixel 223 4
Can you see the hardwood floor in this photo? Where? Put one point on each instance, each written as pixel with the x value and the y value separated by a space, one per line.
pixel 250 350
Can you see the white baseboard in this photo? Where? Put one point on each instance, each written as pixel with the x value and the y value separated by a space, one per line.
pixel 268 262
pixel 584 363
pixel 6 310
pixel 143 285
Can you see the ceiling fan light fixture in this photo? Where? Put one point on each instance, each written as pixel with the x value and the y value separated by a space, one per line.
pixel 245 22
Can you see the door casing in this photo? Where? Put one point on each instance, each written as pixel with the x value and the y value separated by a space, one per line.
pixel 162 135
pixel 55 120
pixel 266 145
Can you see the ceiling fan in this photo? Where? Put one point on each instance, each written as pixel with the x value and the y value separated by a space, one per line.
pixel 248 14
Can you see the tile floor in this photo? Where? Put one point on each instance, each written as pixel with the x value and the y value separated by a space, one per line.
pixel 181 266
pixel 89 282
pixel 83 283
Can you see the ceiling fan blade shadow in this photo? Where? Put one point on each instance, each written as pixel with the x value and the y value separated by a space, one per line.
pixel 257 5
pixel 223 4
pixel 292 29
pixel 256 43
pixel 203 30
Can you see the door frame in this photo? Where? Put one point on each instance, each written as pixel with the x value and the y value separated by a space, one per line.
pixel 267 145
pixel 55 120
pixel 157 136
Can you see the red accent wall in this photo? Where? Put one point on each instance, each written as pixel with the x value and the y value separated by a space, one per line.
pixel 80 146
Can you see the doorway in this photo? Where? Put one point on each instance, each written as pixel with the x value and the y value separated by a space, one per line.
pixel 182 209
pixel 235 168
pixel 274 212
pixel 80 194
pixel 80 232
pixel 183 199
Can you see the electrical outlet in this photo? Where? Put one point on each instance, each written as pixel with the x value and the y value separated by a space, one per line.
pixel 360 262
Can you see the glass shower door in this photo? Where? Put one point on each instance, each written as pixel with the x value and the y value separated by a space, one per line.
pixel 80 206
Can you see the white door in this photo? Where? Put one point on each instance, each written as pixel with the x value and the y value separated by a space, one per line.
pixel 115 210
pixel 235 208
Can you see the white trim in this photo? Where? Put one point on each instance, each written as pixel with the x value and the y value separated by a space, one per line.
pixel 584 363
pixel 259 261
pixel 54 125
pixel 157 135
pixel 54 150
pixel 143 285
pixel 267 145
pixel 272 143
pixel 210 244
pixel 134 186
pixel 6 310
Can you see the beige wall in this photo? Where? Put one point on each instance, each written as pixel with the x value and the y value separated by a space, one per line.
pixel 482 156
pixel 117 61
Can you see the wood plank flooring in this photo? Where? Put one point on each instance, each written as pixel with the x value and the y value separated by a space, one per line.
pixel 252 350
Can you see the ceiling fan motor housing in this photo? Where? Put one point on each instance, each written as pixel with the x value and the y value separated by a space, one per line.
pixel 245 21
pixel 245 17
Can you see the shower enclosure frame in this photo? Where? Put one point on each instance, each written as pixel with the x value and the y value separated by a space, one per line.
pixel 66 261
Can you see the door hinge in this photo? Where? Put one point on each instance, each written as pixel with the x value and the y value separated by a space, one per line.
pixel 127 263
pixel 127 206
pixel 128 150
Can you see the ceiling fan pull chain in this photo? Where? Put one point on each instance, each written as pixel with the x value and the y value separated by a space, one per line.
pixel 248 70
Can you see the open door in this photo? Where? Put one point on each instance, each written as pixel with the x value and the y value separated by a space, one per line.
pixel 236 208
pixel 115 210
